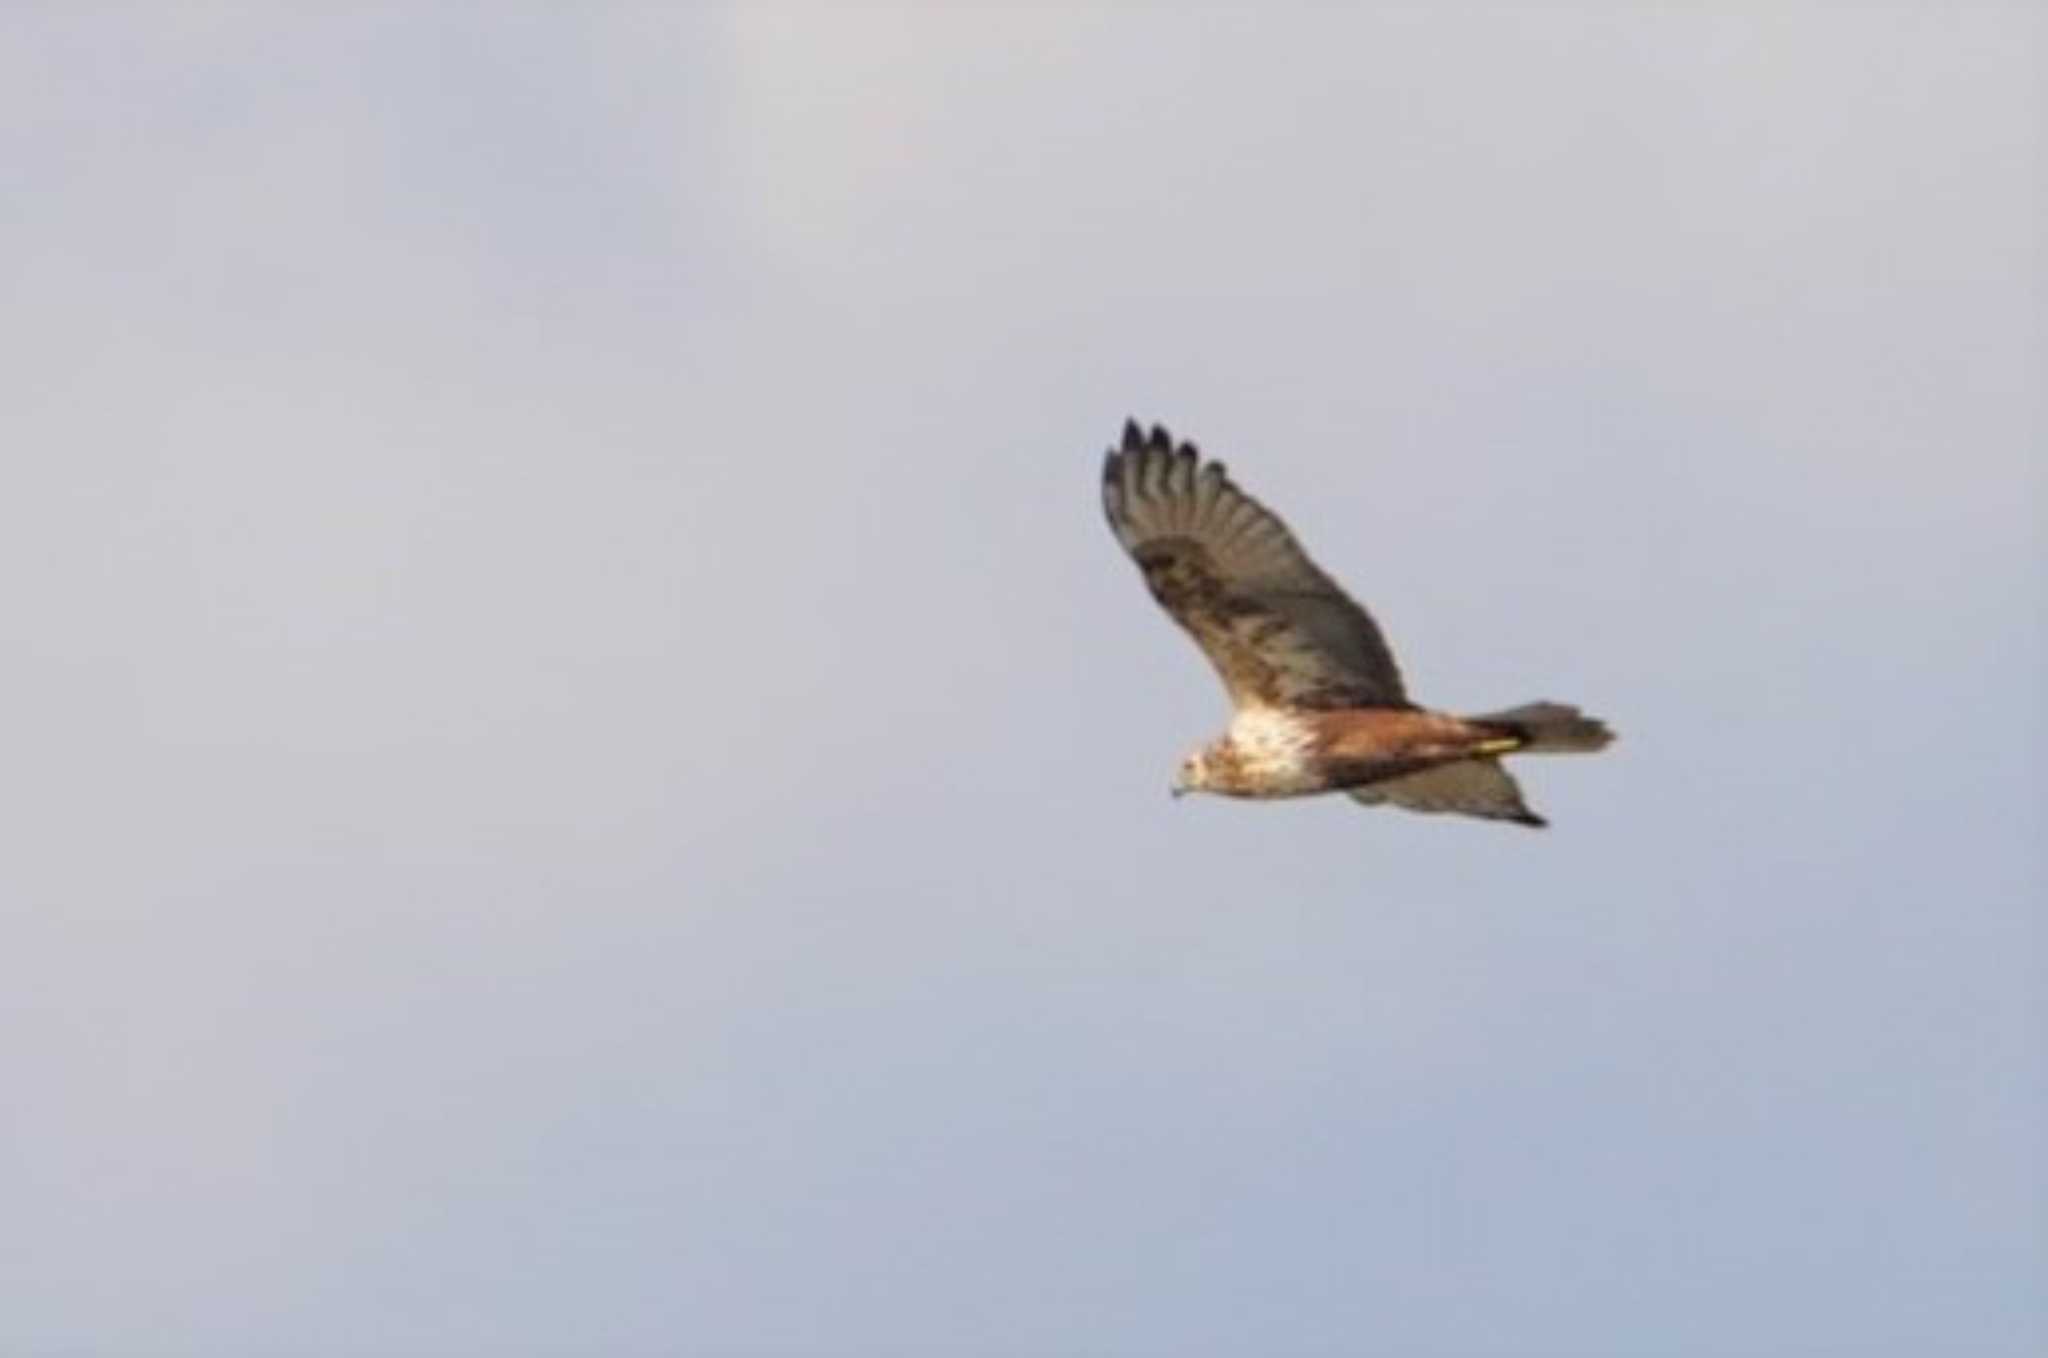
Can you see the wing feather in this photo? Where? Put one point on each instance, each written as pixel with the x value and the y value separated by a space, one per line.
pixel 1465 787
pixel 1278 630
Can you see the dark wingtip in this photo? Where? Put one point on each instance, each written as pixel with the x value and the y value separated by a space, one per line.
pixel 1532 820
pixel 1155 440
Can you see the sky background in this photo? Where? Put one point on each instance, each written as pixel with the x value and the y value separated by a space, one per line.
pixel 582 775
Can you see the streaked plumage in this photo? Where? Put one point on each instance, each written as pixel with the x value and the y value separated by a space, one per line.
pixel 1319 703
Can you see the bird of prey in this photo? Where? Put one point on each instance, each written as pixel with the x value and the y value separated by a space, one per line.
pixel 1319 705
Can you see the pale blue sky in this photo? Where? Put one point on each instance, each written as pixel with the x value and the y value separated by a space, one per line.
pixel 584 776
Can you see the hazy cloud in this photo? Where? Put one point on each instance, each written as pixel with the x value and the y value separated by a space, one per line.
pixel 584 774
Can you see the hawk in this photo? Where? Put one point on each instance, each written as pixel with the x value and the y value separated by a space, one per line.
pixel 1318 702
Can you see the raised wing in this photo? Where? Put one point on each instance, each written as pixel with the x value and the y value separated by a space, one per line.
pixel 1278 631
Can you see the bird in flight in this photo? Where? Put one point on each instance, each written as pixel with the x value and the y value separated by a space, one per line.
pixel 1318 702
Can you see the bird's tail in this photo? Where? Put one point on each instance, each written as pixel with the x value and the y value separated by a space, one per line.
pixel 1550 728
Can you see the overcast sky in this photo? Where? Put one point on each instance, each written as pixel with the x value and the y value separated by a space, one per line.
pixel 581 773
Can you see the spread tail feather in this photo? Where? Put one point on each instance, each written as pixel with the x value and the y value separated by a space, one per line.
pixel 1550 728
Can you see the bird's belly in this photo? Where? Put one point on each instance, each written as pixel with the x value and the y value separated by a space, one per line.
pixel 1283 777
pixel 1276 789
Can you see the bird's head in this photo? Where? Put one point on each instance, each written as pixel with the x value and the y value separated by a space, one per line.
pixel 1193 775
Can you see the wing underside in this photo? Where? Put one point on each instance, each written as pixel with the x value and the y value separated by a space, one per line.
pixel 1465 787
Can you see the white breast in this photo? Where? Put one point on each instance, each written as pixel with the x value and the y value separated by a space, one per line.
pixel 1270 741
